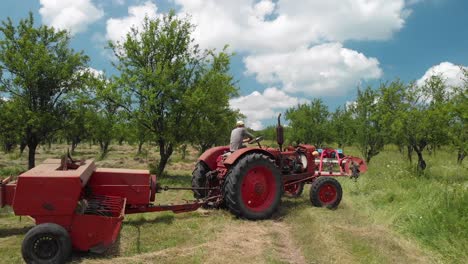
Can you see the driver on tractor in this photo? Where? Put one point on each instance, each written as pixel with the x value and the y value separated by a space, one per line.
pixel 239 135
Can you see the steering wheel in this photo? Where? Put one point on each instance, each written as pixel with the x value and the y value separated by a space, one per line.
pixel 256 140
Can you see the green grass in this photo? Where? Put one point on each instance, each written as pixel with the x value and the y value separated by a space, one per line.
pixel 390 215
pixel 432 207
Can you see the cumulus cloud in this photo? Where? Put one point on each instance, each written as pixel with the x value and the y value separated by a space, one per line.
pixel 284 24
pixel 259 106
pixel 117 28
pixel 451 73
pixel 72 15
pixel 327 69
pixel 94 72
pixel 294 46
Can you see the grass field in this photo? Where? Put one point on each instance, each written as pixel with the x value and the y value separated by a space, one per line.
pixel 389 215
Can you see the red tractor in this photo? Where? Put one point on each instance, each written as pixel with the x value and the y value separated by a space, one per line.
pixel 251 181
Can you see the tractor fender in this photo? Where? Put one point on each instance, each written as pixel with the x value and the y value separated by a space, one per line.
pixel 231 159
pixel 209 156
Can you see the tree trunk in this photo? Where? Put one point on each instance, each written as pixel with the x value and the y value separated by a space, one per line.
pixel 8 146
pixel 22 147
pixel 410 154
pixel 165 151
pixel 32 154
pixel 104 148
pixel 461 155
pixel 74 144
pixel 140 147
pixel 183 150
pixel 421 162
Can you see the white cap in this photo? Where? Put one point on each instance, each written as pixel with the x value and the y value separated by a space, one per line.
pixel 240 123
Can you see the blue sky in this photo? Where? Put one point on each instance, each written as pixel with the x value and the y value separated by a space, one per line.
pixel 287 52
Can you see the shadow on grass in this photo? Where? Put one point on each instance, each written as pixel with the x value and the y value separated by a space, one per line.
pixel 15 231
pixel 287 206
pixel 114 250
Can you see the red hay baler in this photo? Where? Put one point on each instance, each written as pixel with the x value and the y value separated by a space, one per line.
pixel 78 206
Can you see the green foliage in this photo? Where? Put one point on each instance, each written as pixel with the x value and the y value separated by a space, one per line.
pixel 209 100
pixel 37 71
pixel 177 93
pixel 342 127
pixel 458 129
pixel 10 127
pixel 369 128
pixel 310 123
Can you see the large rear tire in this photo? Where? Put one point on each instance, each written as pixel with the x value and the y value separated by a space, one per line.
pixel 199 179
pixel 46 243
pixel 253 187
pixel 326 192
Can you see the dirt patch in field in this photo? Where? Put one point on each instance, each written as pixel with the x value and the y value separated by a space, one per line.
pixel 288 250
pixel 391 246
pixel 239 242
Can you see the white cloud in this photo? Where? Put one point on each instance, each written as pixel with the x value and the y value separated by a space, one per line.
pixel 72 15
pixel 327 69
pixel 451 73
pixel 250 25
pixel 94 72
pixel 117 28
pixel 259 106
pixel 295 45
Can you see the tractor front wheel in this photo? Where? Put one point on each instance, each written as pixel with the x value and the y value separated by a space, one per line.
pixel 326 192
pixel 253 187
pixel 46 243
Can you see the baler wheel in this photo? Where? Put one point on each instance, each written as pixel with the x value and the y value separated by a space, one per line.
pixel 294 190
pixel 253 187
pixel 46 243
pixel 199 179
pixel 326 192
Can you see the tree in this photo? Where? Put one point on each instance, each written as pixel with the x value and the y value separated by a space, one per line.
pixel 425 120
pixel 10 128
pixel 310 123
pixel 342 126
pixel 161 71
pixel 76 128
pixel 369 130
pixel 209 99
pixel 391 105
pixel 105 118
pixel 458 131
pixel 37 70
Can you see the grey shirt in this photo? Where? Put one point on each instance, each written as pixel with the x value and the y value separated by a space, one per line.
pixel 237 135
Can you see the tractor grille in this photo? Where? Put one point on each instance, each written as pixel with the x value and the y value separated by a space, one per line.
pixel 111 206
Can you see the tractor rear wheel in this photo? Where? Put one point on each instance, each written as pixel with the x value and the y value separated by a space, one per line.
pixel 294 190
pixel 253 187
pixel 199 179
pixel 46 243
pixel 326 192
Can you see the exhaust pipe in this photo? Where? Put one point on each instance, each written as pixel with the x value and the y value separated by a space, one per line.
pixel 279 134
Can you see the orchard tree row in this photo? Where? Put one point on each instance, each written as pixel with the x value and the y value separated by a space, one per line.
pixel 170 93
pixel 167 91
pixel 416 118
